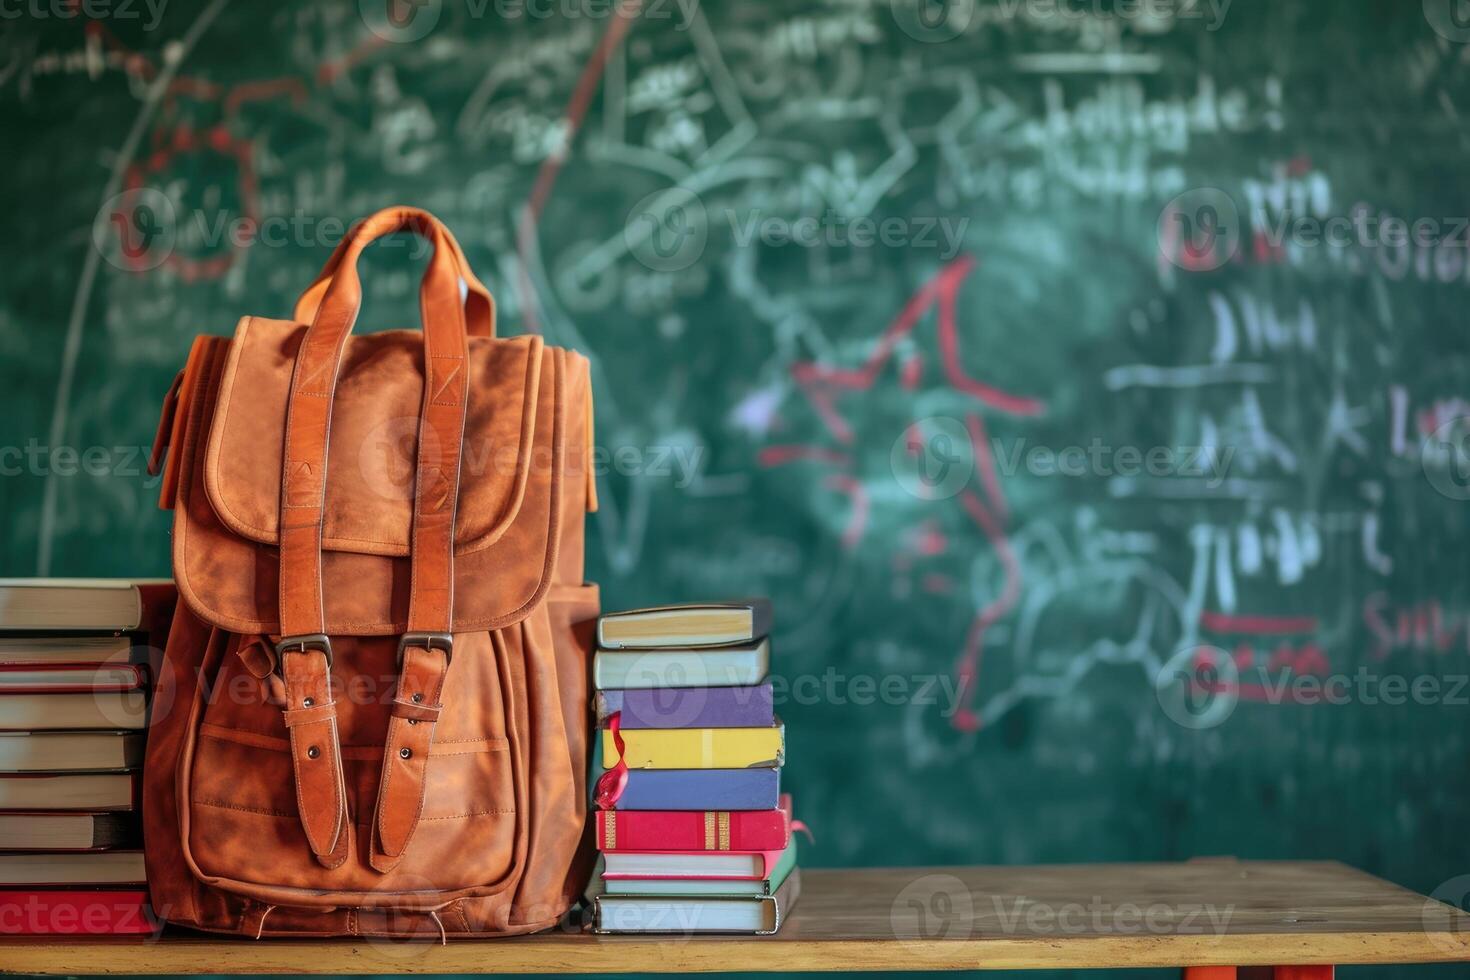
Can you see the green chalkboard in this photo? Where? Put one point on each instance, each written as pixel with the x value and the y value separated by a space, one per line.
pixel 1086 382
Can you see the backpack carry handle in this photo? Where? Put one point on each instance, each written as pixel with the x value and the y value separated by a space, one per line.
pixel 479 304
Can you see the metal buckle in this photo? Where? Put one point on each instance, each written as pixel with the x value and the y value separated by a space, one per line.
pixel 429 641
pixel 305 642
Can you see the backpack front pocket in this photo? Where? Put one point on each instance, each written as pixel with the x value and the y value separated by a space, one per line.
pixel 241 792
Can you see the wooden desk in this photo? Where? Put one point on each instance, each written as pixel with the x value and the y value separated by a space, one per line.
pixel 1208 913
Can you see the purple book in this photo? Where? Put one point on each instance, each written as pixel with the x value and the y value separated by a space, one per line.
pixel 701 789
pixel 690 707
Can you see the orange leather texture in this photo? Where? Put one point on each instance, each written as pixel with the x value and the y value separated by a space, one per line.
pixel 311 769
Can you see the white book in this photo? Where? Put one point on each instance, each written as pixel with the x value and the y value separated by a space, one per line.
pixel 69 751
pixel 66 831
pixel 693 624
pixel 85 868
pixel 73 791
pixel 735 666
pixel 700 887
pixel 678 864
pixel 103 604
pixel 101 711
pixel 686 887
pixel 760 915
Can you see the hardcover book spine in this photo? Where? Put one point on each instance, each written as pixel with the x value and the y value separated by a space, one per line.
pixel 690 707
pixel 719 667
pixel 695 748
pixel 709 830
pixel 701 789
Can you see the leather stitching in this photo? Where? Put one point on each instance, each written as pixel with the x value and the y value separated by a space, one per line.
pixel 284 815
pixel 222 805
pixel 496 811
pixel 353 753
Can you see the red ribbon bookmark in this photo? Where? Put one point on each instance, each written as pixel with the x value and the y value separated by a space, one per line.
pixel 610 785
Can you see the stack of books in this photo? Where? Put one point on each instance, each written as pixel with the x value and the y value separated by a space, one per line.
pixel 74 684
pixel 694 832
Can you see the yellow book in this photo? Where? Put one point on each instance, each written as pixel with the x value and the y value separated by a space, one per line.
pixel 698 748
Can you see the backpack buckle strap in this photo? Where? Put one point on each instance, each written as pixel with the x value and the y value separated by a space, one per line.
pixel 310 715
pixel 428 641
pixel 305 642
pixel 423 666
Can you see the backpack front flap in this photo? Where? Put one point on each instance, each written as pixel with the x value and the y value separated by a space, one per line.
pixel 517 466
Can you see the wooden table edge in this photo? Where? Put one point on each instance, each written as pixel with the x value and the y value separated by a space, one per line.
pixel 586 954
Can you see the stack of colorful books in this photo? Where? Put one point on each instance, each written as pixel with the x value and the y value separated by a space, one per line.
pixel 74 686
pixel 694 831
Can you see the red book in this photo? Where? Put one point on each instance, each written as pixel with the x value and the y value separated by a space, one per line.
pixel 71 913
pixel 695 830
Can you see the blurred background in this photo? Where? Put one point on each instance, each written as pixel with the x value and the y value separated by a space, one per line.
pixel 1085 380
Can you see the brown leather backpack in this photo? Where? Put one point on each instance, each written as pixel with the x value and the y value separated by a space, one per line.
pixel 372 716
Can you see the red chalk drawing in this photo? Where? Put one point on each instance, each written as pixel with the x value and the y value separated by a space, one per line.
pixel 823 385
